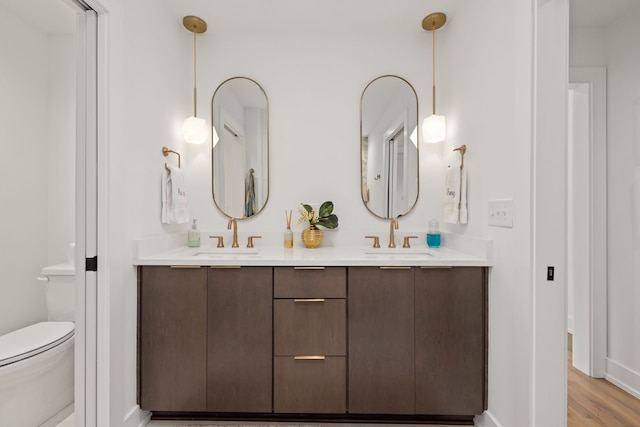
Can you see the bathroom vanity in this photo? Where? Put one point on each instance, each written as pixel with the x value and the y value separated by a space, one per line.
pixel 320 335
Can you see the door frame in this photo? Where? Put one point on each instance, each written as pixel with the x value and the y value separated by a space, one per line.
pixel 596 78
pixel 90 130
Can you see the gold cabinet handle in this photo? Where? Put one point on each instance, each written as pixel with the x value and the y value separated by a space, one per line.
pixel 308 357
pixel 185 266
pixel 308 300
pixel 394 267
pixel 308 268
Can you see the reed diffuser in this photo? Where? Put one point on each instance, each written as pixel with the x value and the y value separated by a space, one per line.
pixel 288 234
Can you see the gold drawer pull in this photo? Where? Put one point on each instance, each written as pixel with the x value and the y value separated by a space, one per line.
pixel 185 266
pixel 227 267
pixel 308 357
pixel 395 268
pixel 434 267
pixel 308 268
pixel 308 300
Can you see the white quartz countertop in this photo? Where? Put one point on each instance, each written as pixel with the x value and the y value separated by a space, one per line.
pixel 171 250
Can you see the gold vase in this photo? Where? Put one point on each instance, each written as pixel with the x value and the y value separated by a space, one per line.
pixel 312 236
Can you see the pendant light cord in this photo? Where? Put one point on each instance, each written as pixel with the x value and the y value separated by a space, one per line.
pixel 433 66
pixel 195 95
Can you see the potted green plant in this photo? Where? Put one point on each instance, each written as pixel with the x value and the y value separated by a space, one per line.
pixel 312 235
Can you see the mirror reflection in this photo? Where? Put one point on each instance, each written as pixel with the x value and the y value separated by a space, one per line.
pixel 240 154
pixel 389 146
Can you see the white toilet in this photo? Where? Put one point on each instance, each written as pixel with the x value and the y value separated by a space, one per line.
pixel 37 362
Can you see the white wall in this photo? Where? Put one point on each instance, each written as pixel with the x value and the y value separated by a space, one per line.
pixel 149 94
pixel 623 84
pixel 587 47
pixel 60 146
pixel 314 83
pixel 32 170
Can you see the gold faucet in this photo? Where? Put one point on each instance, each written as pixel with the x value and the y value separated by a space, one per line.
pixel 392 226
pixel 233 222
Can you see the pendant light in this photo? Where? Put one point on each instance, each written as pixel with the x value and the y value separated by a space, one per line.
pixel 434 127
pixel 194 129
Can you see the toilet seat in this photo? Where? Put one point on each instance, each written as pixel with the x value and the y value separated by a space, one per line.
pixel 32 340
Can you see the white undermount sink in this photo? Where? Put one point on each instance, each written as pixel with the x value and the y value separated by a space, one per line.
pixel 400 251
pixel 225 251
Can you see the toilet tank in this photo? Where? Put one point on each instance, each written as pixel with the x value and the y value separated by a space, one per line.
pixel 61 291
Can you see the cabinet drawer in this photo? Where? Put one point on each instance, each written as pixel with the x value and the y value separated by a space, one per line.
pixel 309 326
pixel 309 386
pixel 302 282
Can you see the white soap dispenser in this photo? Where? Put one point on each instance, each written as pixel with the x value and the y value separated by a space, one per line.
pixel 194 236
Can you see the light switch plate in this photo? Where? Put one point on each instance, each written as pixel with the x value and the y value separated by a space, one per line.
pixel 501 213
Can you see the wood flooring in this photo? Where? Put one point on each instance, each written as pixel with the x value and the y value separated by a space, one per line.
pixel 597 402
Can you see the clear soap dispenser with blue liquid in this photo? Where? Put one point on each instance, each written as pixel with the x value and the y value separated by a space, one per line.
pixel 433 235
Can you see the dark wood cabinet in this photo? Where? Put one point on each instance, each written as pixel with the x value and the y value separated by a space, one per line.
pixel 337 343
pixel 309 334
pixel 381 341
pixel 450 334
pixel 172 332
pixel 417 341
pixel 239 356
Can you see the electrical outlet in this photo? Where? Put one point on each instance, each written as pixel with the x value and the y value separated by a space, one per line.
pixel 501 213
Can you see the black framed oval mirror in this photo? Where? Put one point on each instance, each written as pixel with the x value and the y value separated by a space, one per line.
pixel 389 146
pixel 240 147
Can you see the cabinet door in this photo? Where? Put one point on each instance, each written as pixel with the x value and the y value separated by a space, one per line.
pixel 450 340
pixel 239 369
pixel 381 341
pixel 172 338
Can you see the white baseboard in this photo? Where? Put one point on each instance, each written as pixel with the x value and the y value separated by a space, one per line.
pixel 623 377
pixel 486 420
pixel 136 418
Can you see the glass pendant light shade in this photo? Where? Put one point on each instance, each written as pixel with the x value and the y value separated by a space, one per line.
pixel 434 128
pixel 195 130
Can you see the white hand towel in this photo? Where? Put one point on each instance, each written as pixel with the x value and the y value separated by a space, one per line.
pixel 178 205
pixel 174 197
pixel 165 195
pixel 455 195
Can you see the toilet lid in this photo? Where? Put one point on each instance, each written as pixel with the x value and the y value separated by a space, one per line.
pixel 32 340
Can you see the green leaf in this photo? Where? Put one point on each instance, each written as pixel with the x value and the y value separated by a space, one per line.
pixel 326 209
pixel 330 221
pixel 308 208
